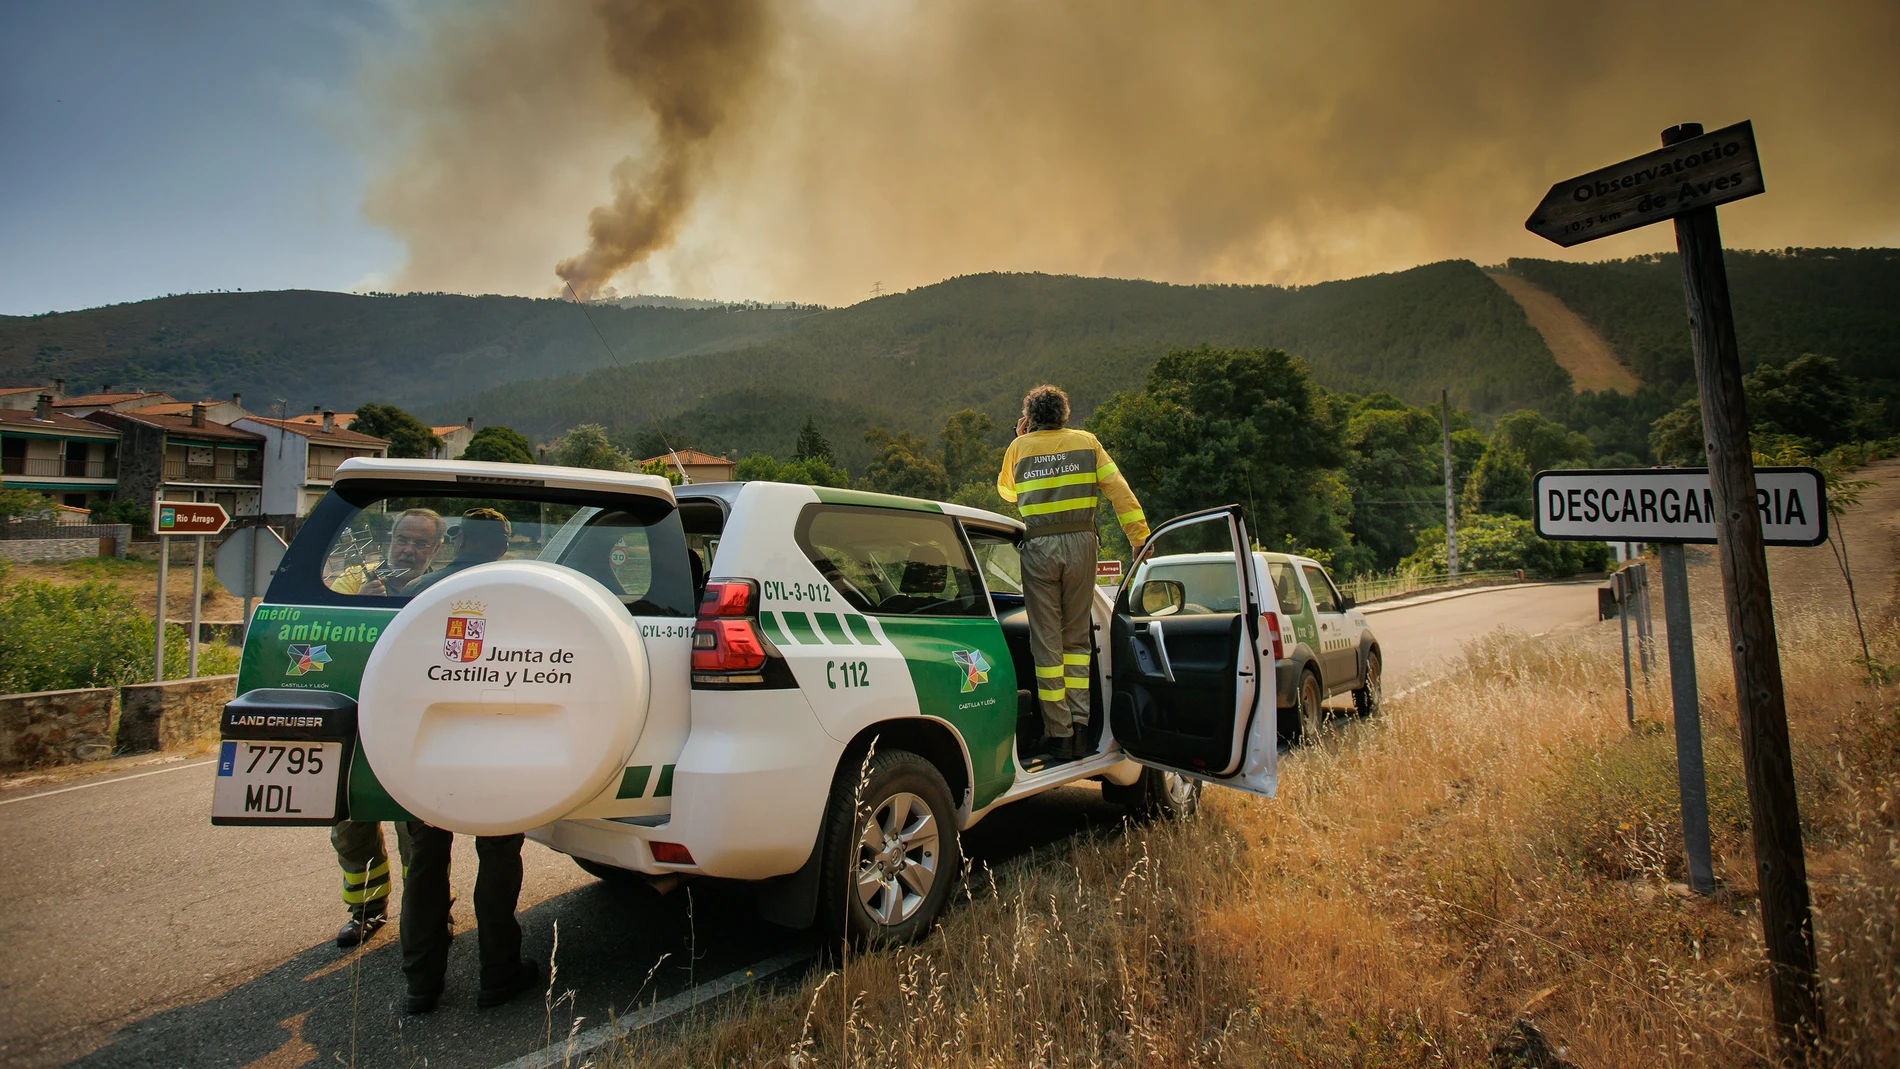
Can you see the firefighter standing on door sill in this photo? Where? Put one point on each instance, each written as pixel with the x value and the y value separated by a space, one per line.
pixel 1055 476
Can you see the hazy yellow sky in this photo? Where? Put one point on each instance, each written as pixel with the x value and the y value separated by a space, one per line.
pixel 807 150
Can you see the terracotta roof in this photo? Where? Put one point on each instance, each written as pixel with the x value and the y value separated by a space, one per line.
pixel 96 399
pixel 450 429
pixel 25 389
pixel 178 425
pixel 690 456
pixel 57 422
pixel 315 430
pixel 343 419
pixel 175 408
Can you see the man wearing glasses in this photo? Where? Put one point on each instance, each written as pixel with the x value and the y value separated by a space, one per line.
pixel 413 544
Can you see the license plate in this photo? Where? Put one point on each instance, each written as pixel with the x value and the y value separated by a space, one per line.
pixel 277 781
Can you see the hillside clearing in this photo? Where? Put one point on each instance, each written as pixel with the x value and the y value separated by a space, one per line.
pixel 1578 348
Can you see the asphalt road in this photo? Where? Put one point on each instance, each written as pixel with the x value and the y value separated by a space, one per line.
pixel 135 934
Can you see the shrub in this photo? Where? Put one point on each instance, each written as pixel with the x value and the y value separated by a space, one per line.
pixel 57 636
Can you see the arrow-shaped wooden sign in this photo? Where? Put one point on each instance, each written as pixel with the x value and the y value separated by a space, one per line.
pixel 1704 171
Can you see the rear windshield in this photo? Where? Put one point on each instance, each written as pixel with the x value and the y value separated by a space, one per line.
pixel 384 544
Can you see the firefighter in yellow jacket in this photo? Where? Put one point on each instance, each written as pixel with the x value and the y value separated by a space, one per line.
pixel 1055 476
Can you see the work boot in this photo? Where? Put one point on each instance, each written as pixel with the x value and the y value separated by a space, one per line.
pixel 527 976
pixel 421 1003
pixel 361 926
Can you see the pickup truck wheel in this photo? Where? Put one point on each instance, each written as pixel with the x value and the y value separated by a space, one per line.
pixel 1157 795
pixel 1368 698
pixel 891 851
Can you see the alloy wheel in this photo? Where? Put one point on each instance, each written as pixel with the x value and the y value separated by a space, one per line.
pixel 897 858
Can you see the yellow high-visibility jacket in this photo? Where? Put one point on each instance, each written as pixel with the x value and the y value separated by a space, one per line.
pixel 1054 478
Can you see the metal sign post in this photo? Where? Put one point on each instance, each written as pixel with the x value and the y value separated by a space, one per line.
pixel 169 520
pixel 1688 713
pixel 1684 181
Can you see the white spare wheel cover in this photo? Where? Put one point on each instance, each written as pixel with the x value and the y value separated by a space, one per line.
pixel 503 697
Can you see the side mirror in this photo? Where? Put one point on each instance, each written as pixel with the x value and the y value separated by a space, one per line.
pixel 1160 597
pixel 1346 602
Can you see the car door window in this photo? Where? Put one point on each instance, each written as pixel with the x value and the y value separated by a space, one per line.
pixel 1286 586
pixel 1325 597
pixel 892 562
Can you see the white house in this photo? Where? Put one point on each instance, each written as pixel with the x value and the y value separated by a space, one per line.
pixel 300 459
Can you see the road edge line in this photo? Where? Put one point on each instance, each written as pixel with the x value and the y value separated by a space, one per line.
pixel 564 1052
pixel 108 782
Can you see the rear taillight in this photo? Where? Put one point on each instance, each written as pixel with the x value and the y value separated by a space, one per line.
pixel 727 646
pixel 1273 629
pixel 671 853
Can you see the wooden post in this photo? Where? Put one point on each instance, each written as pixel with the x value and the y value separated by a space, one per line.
pixel 1780 866
pixel 1451 510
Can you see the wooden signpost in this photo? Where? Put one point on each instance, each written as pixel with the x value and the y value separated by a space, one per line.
pixel 1684 181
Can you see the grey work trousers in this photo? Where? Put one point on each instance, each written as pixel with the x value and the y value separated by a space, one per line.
pixel 425 909
pixel 1059 585
pixel 365 863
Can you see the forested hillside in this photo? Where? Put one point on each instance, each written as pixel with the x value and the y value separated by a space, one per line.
pixel 1843 303
pixel 909 360
pixel 339 349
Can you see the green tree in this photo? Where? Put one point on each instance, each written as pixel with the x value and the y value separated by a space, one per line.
pixel 663 470
pixel 811 471
pixel 586 446
pixel 655 442
pixel 407 435
pixel 1219 426
pixel 123 510
pixel 1501 486
pixel 1395 471
pixel 1542 443
pixel 1506 542
pixel 501 445
pixel 902 463
pixel 1810 399
pixel 26 503
pixel 968 456
pixel 812 444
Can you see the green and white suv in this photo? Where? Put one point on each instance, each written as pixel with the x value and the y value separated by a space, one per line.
pixel 814 689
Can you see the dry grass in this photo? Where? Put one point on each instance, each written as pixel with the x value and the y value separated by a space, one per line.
pixel 1496 846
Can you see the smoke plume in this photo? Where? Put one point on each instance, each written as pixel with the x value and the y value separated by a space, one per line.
pixel 808 149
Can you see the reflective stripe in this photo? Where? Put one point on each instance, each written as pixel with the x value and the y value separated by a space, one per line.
pixel 1046 507
pixel 1107 469
pixel 1131 516
pixel 1053 481
pixel 1052 671
pixel 372 894
pixel 1075 658
pixel 1052 695
pixel 1076 683
pixel 357 879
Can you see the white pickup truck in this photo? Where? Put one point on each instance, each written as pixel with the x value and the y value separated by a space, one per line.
pixel 811 688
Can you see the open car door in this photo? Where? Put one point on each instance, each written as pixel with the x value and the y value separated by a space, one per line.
pixel 1190 691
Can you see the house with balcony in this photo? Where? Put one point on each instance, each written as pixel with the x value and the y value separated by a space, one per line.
pixel 696 467
pixel 187 457
pixel 71 460
pixel 301 459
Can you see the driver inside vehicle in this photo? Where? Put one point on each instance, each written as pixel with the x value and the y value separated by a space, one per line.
pixel 413 543
pixel 481 537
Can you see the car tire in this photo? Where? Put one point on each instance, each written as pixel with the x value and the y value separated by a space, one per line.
pixel 1369 698
pixel 1303 720
pixel 1157 795
pixel 888 891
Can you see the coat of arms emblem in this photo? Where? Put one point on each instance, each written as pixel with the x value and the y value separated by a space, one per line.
pixel 463 643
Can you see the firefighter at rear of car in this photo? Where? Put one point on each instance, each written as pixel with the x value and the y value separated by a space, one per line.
pixel 1056 476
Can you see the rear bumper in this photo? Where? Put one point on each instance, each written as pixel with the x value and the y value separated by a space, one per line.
pixel 749 793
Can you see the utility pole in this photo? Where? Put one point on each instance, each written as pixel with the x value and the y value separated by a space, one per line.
pixel 1451 499
pixel 1780 865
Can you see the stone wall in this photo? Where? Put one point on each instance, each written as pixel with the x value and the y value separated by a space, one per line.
pixel 120 533
pixel 27 550
pixel 55 727
pixel 159 716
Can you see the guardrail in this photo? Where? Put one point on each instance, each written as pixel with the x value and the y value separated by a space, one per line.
pixel 1375 587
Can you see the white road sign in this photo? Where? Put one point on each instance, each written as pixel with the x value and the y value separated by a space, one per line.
pixel 1674 505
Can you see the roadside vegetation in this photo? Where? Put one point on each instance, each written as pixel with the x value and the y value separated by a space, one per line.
pixel 1500 847
pixel 81 627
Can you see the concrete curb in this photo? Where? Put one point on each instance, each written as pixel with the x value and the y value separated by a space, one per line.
pixel 1409 603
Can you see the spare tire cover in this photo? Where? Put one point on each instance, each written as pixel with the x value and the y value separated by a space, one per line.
pixel 503 697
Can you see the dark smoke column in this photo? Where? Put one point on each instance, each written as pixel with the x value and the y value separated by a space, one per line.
pixel 692 64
